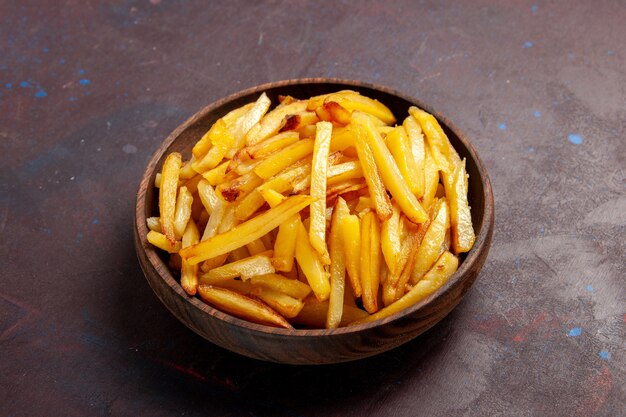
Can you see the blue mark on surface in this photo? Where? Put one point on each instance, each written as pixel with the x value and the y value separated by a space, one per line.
pixel 531 149
pixel 46 230
pixel 84 81
pixel 527 44
pixel 605 355
pixel 542 230
pixel 46 49
pixel 95 221
pixel 8 85
pixel 575 138
pixel 24 84
pixel 81 71
pixel 575 332
pixel 502 126
pixel 61 61
pixel 41 93
pixel 610 52
pixel 534 8
pixel 590 288
pixel 72 98
pixel 537 114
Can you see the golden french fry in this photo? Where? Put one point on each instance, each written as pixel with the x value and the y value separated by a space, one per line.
pixel 282 159
pixel 299 120
pixel 243 124
pixel 351 101
pixel 182 213
pixel 239 187
pixel 233 284
pixel 242 306
pixel 389 172
pixel 215 219
pixel 377 191
pixel 256 246
pixel 400 147
pixel 189 273
pixel 246 232
pixel 309 260
pixel 204 144
pixel 428 250
pixel 284 304
pixel 207 195
pixel 245 268
pixel 276 282
pixel 268 146
pixel 416 142
pixel 337 269
pixel 272 121
pixel 213 263
pixel 463 236
pixel 216 175
pixel 443 269
pixel 154 223
pixel 390 238
pixel 222 139
pixel 337 112
pixel 186 170
pixel 314 314
pixel 431 179
pixel 351 239
pixel 317 228
pixel 370 261
pixel 160 241
pixel 167 194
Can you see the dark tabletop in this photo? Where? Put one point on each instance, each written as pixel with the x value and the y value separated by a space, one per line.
pixel 89 90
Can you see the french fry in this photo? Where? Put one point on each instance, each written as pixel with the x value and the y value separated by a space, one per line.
pixel 390 173
pixel 390 238
pixel 222 140
pixel 337 112
pixel 337 269
pixel 370 261
pixel 207 195
pixel 344 171
pixel 243 124
pixel 182 213
pixel 463 236
pixel 216 175
pixel 285 245
pixel 312 267
pixel 189 273
pixel 428 250
pixel 284 304
pixel 416 140
pixel 245 268
pixel 246 232
pixel 214 262
pixel 276 282
pixel 212 226
pixel 314 314
pixel 378 193
pixel 256 246
pixel 431 179
pixel 282 159
pixel 239 187
pixel 167 194
pixel 271 123
pixel 436 277
pixel 241 287
pixel 186 170
pixel 298 121
pixel 267 147
pixel 160 241
pixel 400 147
pixel 351 101
pixel 351 239
pixel 154 223
pixel 317 229
pixel 242 306
pixel 204 144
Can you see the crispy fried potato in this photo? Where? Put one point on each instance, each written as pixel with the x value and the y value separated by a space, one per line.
pixel 167 195
pixel 433 239
pixel 189 273
pixel 276 282
pixel 314 314
pixel 337 269
pixel 242 306
pixel 245 268
pixel 312 267
pixel 160 241
pixel 463 236
pixel 317 228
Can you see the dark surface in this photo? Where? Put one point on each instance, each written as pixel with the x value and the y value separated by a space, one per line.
pixel 540 333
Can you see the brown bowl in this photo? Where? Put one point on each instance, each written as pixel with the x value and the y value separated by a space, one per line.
pixel 318 346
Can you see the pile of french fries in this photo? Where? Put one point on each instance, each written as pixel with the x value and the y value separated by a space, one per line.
pixel 318 213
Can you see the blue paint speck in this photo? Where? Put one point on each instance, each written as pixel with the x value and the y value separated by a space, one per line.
pixel 8 85
pixel 95 221
pixel 590 288
pixel 527 44
pixel 24 84
pixel 41 93
pixel 81 71
pixel 605 355
pixel 502 126
pixel 72 99
pixel 84 81
pixel 575 332
pixel 61 61
pixel 531 149
pixel 610 52
pixel 542 230
pixel 534 8
pixel 575 139
pixel 46 50
pixel 537 114
pixel 46 230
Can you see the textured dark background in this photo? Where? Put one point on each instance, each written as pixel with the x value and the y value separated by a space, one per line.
pixel 89 89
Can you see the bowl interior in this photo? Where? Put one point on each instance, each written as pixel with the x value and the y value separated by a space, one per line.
pixel 183 139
